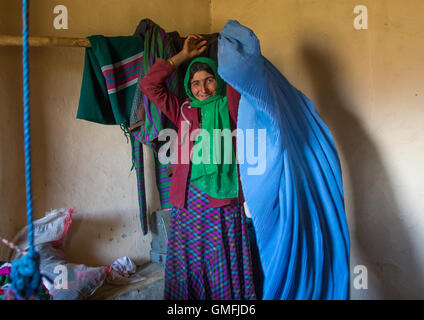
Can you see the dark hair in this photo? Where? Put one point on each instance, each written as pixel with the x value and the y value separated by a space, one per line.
pixel 199 66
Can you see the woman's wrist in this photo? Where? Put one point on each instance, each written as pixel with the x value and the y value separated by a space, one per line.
pixel 178 59
pixel 171 62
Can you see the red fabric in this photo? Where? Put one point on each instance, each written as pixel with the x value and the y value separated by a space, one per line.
pixel 153 86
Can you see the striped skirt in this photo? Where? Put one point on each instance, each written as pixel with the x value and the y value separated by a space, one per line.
pixel 208 253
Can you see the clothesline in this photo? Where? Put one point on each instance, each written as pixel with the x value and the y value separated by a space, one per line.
pixel 44 41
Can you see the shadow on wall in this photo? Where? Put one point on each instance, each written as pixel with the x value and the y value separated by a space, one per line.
pixel 381 234
pixel 12 175
pixel 12 157
pixel 100 234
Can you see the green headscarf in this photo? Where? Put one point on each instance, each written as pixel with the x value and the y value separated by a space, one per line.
pixel 218 178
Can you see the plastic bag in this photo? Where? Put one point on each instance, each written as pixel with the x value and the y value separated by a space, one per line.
pixel 68 281
pixel 63 280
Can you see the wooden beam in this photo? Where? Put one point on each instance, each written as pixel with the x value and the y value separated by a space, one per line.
pixel 45 41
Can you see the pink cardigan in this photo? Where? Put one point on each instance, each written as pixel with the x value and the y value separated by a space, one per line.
pixel 179 112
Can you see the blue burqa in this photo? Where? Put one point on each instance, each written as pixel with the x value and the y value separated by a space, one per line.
pixel 294 192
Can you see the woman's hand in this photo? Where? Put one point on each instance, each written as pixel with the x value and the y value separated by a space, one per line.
pixel 193 46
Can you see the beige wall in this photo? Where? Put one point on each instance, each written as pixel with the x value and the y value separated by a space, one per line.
pixel 76 163
pixel 367 86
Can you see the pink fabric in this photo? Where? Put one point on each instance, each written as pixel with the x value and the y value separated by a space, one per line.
pixel 4 271
pixel 68 220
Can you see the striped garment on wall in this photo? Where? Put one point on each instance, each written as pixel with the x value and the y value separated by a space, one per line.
pixel 122 74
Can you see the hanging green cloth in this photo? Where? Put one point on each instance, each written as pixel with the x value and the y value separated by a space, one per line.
pixel 111 70
pixel 214 168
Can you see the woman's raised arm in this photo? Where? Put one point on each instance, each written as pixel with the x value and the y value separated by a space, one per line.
pixel 153 83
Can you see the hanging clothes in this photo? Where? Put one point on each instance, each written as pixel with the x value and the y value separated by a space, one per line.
pixel 160 42
pixel 110 95
pixel 297 203
pixel 111 71
pixel 157 44
pixel 146 119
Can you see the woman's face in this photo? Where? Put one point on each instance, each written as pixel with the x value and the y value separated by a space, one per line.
pixel 203 85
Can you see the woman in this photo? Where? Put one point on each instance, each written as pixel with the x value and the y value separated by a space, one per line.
pixel 208 249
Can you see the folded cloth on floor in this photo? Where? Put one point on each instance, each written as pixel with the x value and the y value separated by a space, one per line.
pixel 124 266
pixel 123 272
